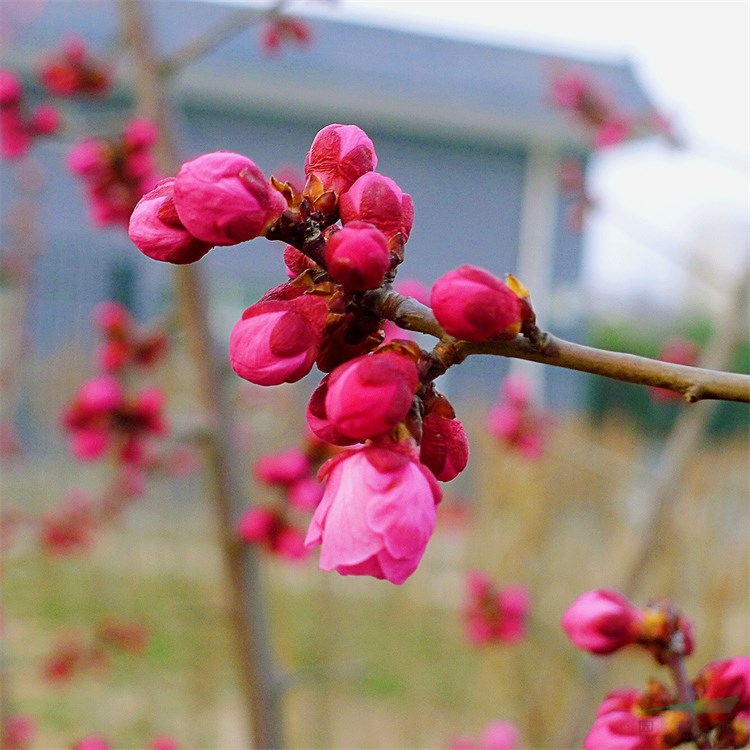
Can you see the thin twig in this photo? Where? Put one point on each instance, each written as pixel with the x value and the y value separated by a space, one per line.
pixel 212 38
pixel 259 678
pixel 694 383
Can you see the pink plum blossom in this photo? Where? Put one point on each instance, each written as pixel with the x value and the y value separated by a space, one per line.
pixel 277 341
pixel 378 200
pixel 357 256
pixel 223 198
pixel 377 513
pixel 156 229
pixel 163 742
pixel 472 304
pixel 371 394
pixel 340 154
pixel 602 621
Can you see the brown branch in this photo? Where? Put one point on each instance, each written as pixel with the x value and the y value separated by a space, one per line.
pixel 259 679
pixel 212 38
pixel 695 383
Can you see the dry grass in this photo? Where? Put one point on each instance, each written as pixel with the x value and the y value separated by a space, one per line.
pixel 373 665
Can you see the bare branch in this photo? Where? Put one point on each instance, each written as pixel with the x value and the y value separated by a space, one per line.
pixel 694 383
pixel 212 38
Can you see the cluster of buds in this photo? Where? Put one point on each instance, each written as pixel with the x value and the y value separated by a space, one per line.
pixel 293 471
pixel 713 710
pixel 72 70
pixel 345 235
pixel 104 417
pixel 497 735
pixel 116 171
pixel 124 342
pixel 19 129
pixel 597 112
pixel 678 351
pixel 279 30
pixel 75 653
pixel 515 422
pixel 493 615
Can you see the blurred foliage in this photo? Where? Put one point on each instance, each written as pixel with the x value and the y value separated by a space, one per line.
pixel 606 398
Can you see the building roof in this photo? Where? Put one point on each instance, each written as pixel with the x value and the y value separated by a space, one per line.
pixel 403 81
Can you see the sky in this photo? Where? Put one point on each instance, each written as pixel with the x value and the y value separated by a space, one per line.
pixel 657 204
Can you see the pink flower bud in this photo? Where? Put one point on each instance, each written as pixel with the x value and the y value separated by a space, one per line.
pixel 317 419
pixel 601 621
pixel 339 155
pixel 257 525
pixel 140 133
pixel 472 304
pixel 103 394
pixel 306 493
pixel 378 200
pixel 45 120
pixel 622 730
pixel 445 447
pixel 156 229
pixel 296 262
pixel 277 341
pixel 88 444
pixel 283 468
pixel 358 257
pixel 86 158
pixel 370 395
pixel 377 513
pixel 112 318
pixel 10 88
pixel 727 678
pixel 223 198
pixel 290 544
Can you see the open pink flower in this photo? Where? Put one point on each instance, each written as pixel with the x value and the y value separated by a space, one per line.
pixel 378 200
pixel 223 198
pixel 602 621
pixel 377 513
pixel 277 341
pixel 472 304
pixel 339 154
pixel 357 256
pixel 371 394
pixel 156 229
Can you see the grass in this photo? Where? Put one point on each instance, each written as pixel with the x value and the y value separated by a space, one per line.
pixel 373 665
